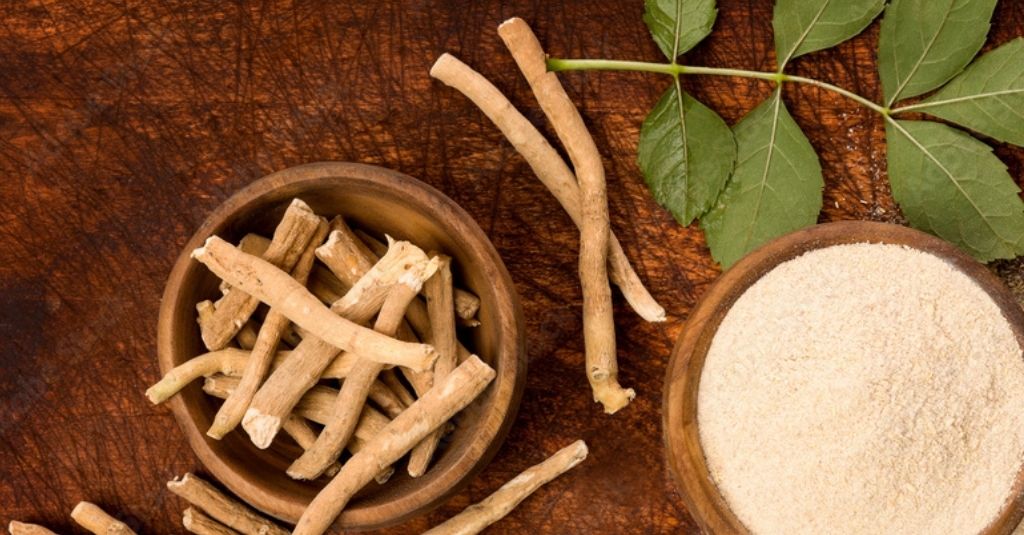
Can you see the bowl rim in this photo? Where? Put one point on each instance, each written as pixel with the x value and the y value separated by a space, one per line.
pixel 510 360
pixel 683 450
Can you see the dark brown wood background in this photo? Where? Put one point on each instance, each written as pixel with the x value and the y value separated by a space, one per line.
pixel 123 124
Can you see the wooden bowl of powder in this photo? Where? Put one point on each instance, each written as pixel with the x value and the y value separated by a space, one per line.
pixel 856 377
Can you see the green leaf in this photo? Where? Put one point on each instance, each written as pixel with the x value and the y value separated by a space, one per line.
pixel 686 153
pixel 775 188
pixel 951 185
pixel 925 43
pixel 988 97
pixel 678 25
pixel 803 26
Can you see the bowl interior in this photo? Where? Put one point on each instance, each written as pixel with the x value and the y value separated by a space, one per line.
pixel 380 202
pixel 682 439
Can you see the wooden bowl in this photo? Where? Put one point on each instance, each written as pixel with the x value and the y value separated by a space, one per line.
pixel 682 441
pixel 380 201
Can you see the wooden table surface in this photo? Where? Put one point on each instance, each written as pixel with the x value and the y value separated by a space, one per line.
pixel 123 124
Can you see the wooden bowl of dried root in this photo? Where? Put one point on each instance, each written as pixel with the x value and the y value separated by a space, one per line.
pixel 852 374
pixel 338 255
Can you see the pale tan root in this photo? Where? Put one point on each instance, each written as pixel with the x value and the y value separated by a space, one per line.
pixel 233 309
pixel 221 507
pixel 598 324
pixel 96 520
pixel 264 348
pixel 304 435
pixel 195 521
pixel 247 335
pixel 431 411
pixel 316 406
pixel 467 304
pixel 440 308
pixel 232 362
pixel 347 255
pixel 278 395
pixel 477 517
pixel 549 167
pixel 223 361
pixel 325 285
pixel 386 399
pixel 269 284
pixel 356 388
pixel 416 315
pixel 24 528
pixel 391 380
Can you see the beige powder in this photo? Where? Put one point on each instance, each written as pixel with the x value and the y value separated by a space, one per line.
pixel 864 389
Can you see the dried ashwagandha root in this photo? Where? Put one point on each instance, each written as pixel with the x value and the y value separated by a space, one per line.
pixel 278 395
pixel 467 304
pixel 356 387
pixel 23 528
pixel 231 412
pixel 439 293
pixel 232 362
pixel 304 435
pixel 232 310
pixel 549 167
pixel 224 509
pixel 429 412
pixel 416 316
pixel 195 521
pixel 96 520
pixel 316 406
pixel 598 324
pixel 477 517
pixel 247 335
pixel 278 289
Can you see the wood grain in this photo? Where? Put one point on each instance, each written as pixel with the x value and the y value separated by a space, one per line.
pixel 123 124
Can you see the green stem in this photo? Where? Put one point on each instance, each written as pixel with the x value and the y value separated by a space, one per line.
pixel 557 64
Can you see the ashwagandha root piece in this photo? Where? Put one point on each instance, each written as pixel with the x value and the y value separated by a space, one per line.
pixel 316 406
pixel 229 361
pixel 234 308
pixel 416 315
pixel 269 284
pixel 467 304
pixel 224 509
pixel 386 399
pixel 232 362
pixel 477 517
pixel 431 411
pixel 440 308
pixel 324 285
pixel 549 167
pixel 356 387
pixel 195 521
pixel 598 324
pixel 391 380
pixel 247 335
pixel 304 435
pixel 263 350
pixel 278 395
pixel 23 528
pixel 96 520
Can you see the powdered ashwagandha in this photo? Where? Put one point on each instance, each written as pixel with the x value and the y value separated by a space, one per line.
pixel 864 388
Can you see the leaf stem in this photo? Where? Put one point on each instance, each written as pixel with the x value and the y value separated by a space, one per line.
pixel 558 64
